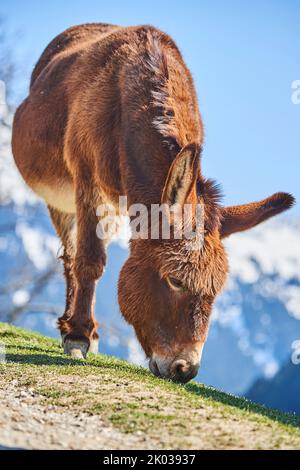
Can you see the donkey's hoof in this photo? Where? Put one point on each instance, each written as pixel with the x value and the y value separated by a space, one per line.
pixel 94 346
pixel 76 349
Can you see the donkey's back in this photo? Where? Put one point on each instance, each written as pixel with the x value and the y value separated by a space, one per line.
pixel 74 37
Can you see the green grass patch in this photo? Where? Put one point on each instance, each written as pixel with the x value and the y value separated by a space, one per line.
pixel 132 399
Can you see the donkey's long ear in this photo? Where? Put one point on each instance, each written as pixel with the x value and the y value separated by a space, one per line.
pixel 239 218
pixel 182 176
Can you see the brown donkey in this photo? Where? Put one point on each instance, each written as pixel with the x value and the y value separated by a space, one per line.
pixel 112 112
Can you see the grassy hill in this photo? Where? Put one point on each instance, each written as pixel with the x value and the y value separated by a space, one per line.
pixel 50 401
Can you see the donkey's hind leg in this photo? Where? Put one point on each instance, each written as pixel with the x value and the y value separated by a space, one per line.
pixel 65 226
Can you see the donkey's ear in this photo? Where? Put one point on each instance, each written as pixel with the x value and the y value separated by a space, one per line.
pixel 182 176
pixel 239 218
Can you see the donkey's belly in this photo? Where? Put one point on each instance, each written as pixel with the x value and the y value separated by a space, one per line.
pixel 61 197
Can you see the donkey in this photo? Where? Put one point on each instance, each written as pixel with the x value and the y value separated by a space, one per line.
pixel 112 111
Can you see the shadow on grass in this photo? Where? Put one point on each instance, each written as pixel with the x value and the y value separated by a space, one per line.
pixel 192 388
pixel 54 359
pixel 43 359
pixel 32 348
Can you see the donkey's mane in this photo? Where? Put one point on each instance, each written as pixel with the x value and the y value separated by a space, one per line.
pixel 174 115
pixel 211 194
pixel 157 65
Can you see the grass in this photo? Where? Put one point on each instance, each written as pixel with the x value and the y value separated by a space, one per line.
pixel 132 400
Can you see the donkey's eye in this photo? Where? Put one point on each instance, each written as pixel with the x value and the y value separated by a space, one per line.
pixel 175 283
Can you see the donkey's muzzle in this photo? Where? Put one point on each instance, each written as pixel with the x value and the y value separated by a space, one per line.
pixel 180 370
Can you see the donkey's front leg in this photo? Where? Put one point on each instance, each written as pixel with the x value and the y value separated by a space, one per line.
pixel 89 262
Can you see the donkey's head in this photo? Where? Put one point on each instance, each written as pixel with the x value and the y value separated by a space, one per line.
pixel 167 287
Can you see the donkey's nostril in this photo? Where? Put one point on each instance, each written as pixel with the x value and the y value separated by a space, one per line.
pixel 182 371
pixel 180 367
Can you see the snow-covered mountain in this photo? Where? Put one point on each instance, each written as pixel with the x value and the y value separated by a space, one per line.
pixel 281 391
pixel 255 320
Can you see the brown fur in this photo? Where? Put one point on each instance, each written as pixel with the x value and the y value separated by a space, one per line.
pixel 113 111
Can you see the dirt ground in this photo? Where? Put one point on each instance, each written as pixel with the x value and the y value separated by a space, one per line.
pixel 28 422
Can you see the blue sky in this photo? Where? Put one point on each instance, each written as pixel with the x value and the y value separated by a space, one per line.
pixel 244 56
